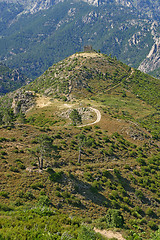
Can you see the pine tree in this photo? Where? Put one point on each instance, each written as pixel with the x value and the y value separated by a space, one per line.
pixel 43 150
pixel 75 117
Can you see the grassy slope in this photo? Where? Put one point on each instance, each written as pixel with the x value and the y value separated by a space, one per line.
pixel 119 167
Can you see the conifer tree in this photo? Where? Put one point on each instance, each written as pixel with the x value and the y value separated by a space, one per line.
pixel 75 117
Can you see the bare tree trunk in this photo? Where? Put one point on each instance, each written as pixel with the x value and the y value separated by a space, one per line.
pixel 41 163
pixel 79 156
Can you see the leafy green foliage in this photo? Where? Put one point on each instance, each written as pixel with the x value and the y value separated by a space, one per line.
pixel 114 218
pixel 75 117
pixel 86 233
pixel 54 176
pixel 44 148
pixel 156 235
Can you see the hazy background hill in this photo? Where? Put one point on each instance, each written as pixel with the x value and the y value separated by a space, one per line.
pixel 32 39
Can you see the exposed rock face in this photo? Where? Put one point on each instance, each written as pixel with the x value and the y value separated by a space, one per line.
pixel 93 2
pixel 135 133
pixel 23 101
pixel 33 6
pixel 125 3
pixel 152 61
pixel 85 113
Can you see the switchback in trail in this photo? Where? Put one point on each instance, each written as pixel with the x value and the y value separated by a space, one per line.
pixel 97 120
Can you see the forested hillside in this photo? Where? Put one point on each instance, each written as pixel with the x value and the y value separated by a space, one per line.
pixel 11 80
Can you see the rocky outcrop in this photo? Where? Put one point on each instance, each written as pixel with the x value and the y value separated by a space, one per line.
pixel 152 61
pixel 23 101
pixel 33 6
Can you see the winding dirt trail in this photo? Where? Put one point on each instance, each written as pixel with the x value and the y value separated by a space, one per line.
pixel 97 120
pixel 109 89
pixel 43 101
pixel 110 234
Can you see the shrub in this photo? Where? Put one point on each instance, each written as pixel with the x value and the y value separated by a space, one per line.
pixel 141 161
pixel 107 174
pixel 117 172
pixel 139 194
pixel 156 235
pixel 54 176
pixel 149 212
pixel 88 176
pixel 14 169
pixel 86 233
pixel 18 202
pixel 152 225
pixel 44 201
pixel 4 194
pixel 29 195
pixel 75 117
pixel 95 185
pixel 3 153
pixel 114 218
pixel 5 208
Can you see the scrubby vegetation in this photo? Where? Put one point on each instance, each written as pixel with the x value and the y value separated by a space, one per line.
pixel 60 181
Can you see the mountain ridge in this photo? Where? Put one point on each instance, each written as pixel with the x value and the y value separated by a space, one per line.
pixel 123 33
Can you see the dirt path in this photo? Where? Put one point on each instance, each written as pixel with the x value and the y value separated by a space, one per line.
pixel 110 234
pixel 97 120
pixel 132 71
pixel 43 101
pixel 87 54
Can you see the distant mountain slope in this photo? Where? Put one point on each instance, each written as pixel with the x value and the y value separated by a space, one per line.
pixel 32 39
pixel 31 6
pixel 10 79
pixel 36 41
pixel 150 7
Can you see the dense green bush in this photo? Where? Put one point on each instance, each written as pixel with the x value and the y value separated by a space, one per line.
pixel 87 233
pixel 113 219
pixel 44 201
pixel 156 235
